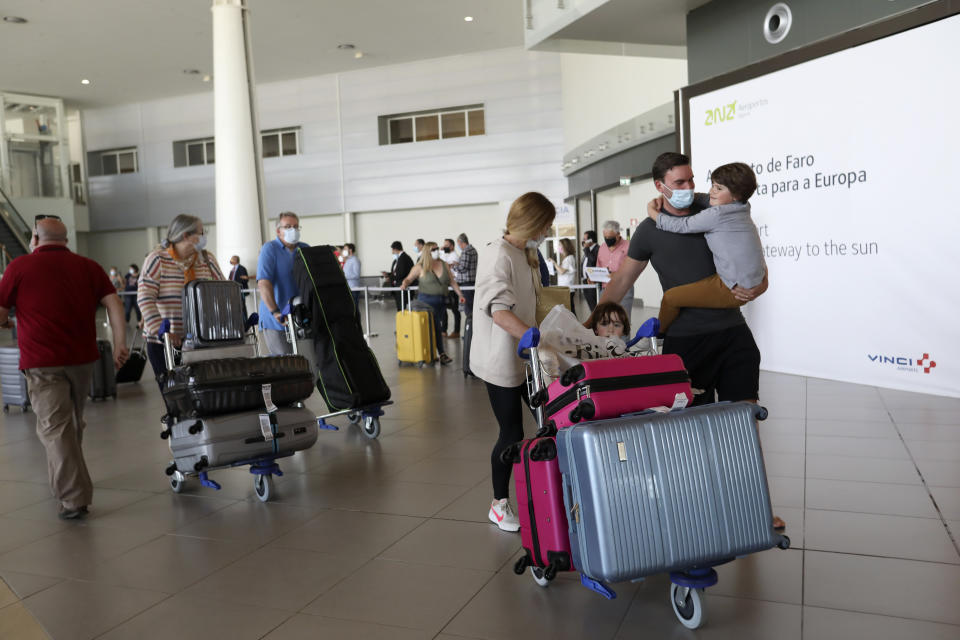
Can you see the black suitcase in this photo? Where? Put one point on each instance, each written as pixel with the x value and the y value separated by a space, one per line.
pixel 132 369
pixel 213 313
pixel 467 341
pixel 348 375
pixel 230 385
pixel 103 384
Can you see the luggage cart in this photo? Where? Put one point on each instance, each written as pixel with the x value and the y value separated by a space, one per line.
pixel 366 418
pixel 686 593
pixel 263 468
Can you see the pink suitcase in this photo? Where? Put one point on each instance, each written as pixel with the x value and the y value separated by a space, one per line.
pixel 600 389
pixel 543 519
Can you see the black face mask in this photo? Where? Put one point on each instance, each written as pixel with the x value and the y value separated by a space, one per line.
pixel 610 241
pixel 447 249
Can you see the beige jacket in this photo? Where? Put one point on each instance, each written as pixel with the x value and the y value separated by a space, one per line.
pixel 504 282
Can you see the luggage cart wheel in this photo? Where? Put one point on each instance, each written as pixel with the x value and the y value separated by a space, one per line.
pixel 371 426
pixel 263 486
pixel 784 542
pixel 690 606
pixel 177 481
pixel 539 577
pixel 354 417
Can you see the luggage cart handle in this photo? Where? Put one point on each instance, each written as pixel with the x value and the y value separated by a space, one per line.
pixel 168 351
pixel 648 329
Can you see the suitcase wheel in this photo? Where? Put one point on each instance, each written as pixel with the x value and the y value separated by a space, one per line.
pixel 263 486
pixel 540 576
pixel 689 605
pixel 354 417
pixel 371 427
pixel 176 482
pixel 784 542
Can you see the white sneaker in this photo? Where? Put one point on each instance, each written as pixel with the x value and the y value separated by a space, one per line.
pixel 502 515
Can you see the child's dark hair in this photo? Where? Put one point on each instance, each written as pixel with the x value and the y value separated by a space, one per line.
pixel 608 310
pixel 738 178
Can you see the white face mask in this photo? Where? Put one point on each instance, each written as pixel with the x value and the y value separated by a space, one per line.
pixel 345 253
pixel 291 236
pixel 394 256
pixel 131 271
pixel 533 243
pixel 435 254
pixel 113 272
pixel 201 243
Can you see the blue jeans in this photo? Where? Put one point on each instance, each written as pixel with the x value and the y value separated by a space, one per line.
pixel 437 303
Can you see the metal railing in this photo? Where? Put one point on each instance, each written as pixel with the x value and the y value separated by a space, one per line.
pixel 14 221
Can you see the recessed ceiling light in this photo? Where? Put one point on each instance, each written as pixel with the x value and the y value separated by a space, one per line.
pixel 15 19
pixel 358 55
pixel 191 72
pixel 468 19
pixel 346 46
pixel 84 81
pixel 207 77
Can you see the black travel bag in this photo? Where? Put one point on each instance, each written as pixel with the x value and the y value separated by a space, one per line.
pixel 228 385
pixel 213 314
pixel 132 369
pixel 348 375
pixel 103 384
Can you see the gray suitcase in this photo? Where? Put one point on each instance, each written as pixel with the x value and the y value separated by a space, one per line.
pixel 11 380
pixel 655 492
pixel 214 314
pixel 200 444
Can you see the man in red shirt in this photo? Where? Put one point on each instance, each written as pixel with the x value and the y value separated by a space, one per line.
pixel 611 255
pixel 56 293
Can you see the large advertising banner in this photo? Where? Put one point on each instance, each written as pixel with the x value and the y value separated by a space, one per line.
pixel 857 156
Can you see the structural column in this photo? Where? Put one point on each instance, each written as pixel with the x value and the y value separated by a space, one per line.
pixel 239 183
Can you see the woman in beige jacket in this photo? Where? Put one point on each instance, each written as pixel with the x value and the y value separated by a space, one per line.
pixel 508 281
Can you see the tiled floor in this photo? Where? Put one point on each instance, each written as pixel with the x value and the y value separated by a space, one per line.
pixel 389 538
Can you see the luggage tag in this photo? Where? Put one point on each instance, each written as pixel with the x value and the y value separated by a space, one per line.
pixel 268 421
pixel 679 402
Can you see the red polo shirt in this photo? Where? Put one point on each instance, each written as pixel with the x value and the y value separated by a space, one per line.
pixel 56 293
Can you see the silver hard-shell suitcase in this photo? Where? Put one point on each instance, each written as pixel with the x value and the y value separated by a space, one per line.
pixel 657 492
pixel 200 444
pixel 213 313
pixel 13 382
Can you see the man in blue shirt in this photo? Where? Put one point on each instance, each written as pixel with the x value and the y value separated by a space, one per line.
pixel 275 281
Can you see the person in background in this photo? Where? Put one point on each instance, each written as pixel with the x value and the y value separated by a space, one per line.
pixel 435 278
pixel 590 251
pixel 130 299
pixel 238 272
pixel 418 249
pixel 449 255
pixel 399 268
pixel 275 281
pixel 116 280
pixel 611 255
pixel 351 269
pixel 465 271
pixel 566 268
pixel 56 293
pixel 179 259
pixel 505 309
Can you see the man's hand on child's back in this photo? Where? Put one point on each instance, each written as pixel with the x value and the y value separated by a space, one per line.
pixel 654 206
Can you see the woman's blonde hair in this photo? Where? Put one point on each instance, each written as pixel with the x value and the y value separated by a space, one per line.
pixel 426 260
pixel 529 215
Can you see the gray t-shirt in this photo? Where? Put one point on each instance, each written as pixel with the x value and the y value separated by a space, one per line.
pixel 682 259
pixel 732 238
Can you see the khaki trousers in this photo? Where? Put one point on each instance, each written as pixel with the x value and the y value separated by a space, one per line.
pixel 709 293
pixel 57 395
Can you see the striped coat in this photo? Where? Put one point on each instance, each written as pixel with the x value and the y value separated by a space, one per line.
pixel 160 290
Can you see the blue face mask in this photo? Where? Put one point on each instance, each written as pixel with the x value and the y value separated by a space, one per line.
pixel 394 256
pixel 680 198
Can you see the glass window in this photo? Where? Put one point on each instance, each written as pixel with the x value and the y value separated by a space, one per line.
pixel 476 122
pixel 195 154
pixel 127 162
pixel 401 130
pixel 211 154
pixel 290 143
pixel 271 145
pixel 428 128
pixel 109 161
pixel 454 124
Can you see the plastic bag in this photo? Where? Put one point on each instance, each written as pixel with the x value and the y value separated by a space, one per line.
pixel 563 334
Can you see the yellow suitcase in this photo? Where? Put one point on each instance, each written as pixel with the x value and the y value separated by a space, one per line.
pixel 415 337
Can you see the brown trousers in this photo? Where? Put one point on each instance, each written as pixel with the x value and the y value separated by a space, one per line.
pixel 709 293
pixel 58 395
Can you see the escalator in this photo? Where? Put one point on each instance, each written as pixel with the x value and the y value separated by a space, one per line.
pixel 15 233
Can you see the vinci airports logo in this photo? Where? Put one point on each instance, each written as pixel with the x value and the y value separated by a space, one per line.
pixel 732 111
pixel 924 364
